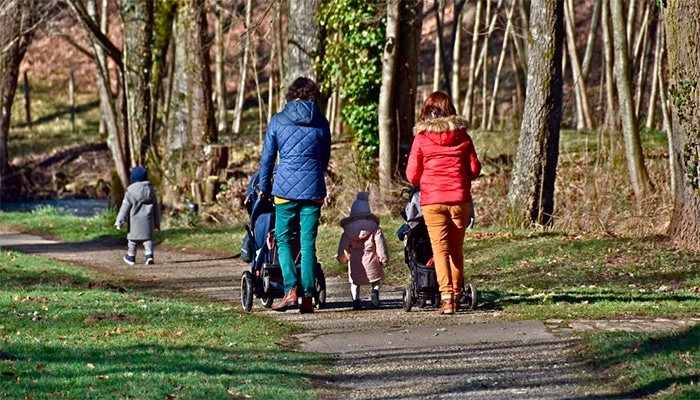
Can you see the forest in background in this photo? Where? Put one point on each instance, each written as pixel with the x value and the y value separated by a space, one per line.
pixel 480 57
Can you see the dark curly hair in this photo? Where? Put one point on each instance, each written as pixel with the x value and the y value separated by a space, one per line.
pixel 303 89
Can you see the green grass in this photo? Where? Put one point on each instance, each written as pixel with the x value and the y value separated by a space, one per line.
pixel 661 365
pixel 67 334
pixel 51 127
pixel 554 275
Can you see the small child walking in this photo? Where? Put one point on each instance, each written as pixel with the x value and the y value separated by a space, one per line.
pixel 363 248
pixel 141 210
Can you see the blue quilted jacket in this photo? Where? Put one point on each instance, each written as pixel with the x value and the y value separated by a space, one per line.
pixel 302 137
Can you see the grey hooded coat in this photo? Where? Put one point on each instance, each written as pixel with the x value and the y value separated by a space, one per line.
pixel 141 210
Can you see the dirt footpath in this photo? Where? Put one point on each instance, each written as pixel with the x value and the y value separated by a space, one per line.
pixel 381 354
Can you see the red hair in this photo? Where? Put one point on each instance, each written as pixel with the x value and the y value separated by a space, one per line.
pixel 437 105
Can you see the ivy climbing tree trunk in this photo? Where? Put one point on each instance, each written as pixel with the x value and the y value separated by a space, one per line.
pixel 531 191
pixel 681 20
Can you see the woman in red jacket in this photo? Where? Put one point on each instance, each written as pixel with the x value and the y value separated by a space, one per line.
pixel 443 163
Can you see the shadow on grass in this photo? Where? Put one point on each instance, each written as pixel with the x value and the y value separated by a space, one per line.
pixel 621 354
pixel 146 369
pixel 498 300
pixel 65 111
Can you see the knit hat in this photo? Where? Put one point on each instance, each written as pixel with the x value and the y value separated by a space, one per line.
pixel 138 174
pixel 360 207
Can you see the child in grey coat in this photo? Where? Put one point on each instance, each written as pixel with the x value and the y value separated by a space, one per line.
pixel 141 210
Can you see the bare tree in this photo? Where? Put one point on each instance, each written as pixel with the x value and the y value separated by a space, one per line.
pixel 113 106
pixel 386 106
pixel 633 144
pixel 219 67
pixel 680 19
pixel 531 191
pixel 243 71
pixel 583 112
pixel 18 22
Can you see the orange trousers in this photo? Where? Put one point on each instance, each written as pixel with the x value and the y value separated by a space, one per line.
pixel 446 226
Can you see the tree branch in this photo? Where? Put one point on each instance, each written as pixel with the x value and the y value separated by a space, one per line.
pixel 95 33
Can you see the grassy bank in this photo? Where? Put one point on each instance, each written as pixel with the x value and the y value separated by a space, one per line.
pixel 70 334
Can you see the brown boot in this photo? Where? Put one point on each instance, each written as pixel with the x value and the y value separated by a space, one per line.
pixel 289 301
pixel 447 307
pixel 307 306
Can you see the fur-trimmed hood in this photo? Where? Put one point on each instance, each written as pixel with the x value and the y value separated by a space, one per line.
pixel 441 125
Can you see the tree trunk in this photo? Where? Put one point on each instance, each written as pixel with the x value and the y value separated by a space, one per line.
pixel 682 26
pixel 18 21
pixel 411 23
pixel 243 72
pixel 304 41
pixel 588 55
pixel 531 191
pixel 469 97
pixel 112 107
pixel 437 54
pixel 137 21
pixel 219 69
pixel 456 55
pixel 190 122
pixel 610 118
pixel 633 144
pixel 583 112
pixel 386 106
pixel 501 60
pixel 665 115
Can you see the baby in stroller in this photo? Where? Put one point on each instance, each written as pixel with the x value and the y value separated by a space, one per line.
pixel 264 279
pixel 418 255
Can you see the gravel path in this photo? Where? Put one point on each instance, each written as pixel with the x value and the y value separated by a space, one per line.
pixel 384 353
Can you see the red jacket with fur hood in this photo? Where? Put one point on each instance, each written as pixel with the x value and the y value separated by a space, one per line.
pixel 443 161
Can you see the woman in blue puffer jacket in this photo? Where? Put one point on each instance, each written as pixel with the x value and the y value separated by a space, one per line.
pixel 301 137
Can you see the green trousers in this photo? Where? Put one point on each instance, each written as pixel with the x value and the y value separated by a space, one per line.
pixel 298 218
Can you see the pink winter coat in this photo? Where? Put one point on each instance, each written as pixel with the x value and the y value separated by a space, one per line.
pixel 363 248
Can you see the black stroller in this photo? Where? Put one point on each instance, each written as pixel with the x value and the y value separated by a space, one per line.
pixel 264 280
pixel 418 255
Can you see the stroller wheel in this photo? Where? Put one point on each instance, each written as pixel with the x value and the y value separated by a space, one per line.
pixel 267 302
pixel 320 289
pixel 407 299
pixel 470 297
pixel 422 301
pixel 247 291
pixel 436 301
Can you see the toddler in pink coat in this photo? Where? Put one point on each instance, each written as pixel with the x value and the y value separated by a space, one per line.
pixel 363 248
